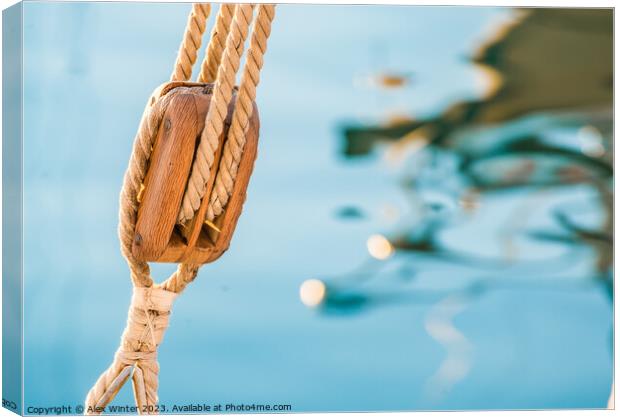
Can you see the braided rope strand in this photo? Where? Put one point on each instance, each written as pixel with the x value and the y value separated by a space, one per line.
pixel 215 49
pixel 233 148
pixel 151 304
pixel 134 176
pixel 188 52
pixel 139 341
pixel 147 322
pixel 177 282
pixel 218 109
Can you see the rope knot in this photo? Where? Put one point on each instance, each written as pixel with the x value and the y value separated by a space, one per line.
pixel 149 313
pixel 153 298
pixel 148 319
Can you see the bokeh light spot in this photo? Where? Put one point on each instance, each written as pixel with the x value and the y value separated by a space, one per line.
pixel 312 292
pixel 379 247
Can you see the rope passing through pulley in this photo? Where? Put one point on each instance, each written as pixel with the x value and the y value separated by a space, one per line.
pixel 185 184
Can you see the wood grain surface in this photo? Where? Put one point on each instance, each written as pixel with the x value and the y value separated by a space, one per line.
pixel 157 238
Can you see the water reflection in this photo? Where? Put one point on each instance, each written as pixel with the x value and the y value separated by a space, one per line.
pixel 541 140
pixel 458 360
pixel 312 292
pixel 310 211
pixel 527 172
pixel 379 247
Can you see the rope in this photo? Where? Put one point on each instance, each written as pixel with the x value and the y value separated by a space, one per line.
pixel 213 56
pixel 244 106
pixel 134 176
pixel 148 319
pixel 196 24
pixel 151 303
pixel 218 109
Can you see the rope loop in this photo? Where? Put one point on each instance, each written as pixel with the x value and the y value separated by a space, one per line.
pixel 218 109
pixel 151 303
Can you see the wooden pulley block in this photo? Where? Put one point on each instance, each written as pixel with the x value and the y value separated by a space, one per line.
pixel 158 237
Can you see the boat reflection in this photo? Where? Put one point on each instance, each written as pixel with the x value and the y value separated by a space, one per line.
pixel 529 164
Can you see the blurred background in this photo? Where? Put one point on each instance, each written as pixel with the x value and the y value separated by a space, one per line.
pixel 428 226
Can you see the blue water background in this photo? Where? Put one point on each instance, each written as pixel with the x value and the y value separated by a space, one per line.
pixel 239 333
